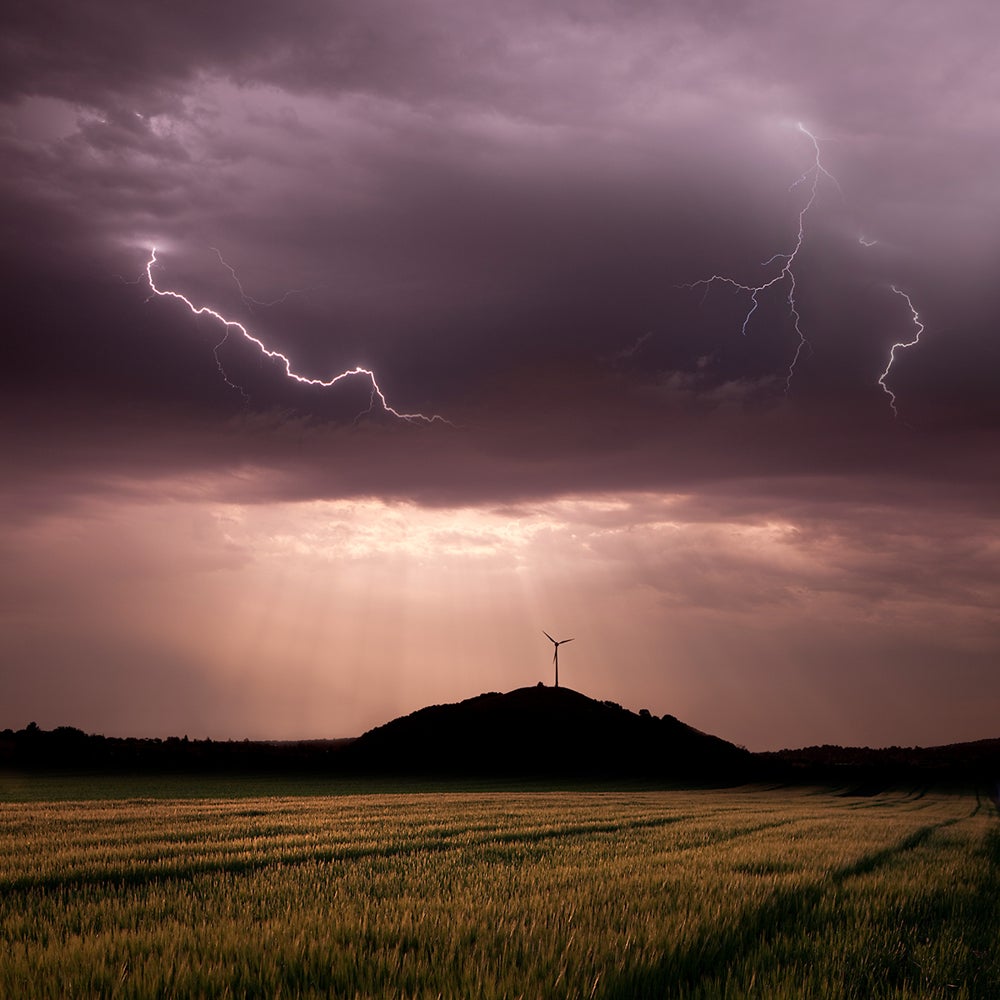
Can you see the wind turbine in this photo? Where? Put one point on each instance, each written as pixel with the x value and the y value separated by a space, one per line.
pixel 555 655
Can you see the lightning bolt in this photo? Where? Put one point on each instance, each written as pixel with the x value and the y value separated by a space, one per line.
pixel 900 345
pixel 248 300
pixel 222 370
pixel 786 273
pixel 377 395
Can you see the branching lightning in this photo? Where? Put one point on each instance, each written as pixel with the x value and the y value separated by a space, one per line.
pixel 248 300
pixel 377 396
pixel 222 369
pixel 900 345
pixel 786 274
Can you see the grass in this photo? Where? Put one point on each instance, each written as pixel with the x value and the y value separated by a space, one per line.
pixel 497 892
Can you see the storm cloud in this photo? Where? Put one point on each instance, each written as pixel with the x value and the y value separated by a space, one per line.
pixel 500 210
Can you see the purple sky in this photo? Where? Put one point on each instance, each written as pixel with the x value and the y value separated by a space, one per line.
pixel 495 208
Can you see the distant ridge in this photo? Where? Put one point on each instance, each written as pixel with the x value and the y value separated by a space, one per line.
pixel 547 731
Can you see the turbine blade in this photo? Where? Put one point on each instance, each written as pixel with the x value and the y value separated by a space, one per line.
pixel 561 641
pixel 547 636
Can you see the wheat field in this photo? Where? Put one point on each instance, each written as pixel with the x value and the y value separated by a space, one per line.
pixel 501 893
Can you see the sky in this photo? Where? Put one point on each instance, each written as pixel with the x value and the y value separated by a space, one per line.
pixel 747 510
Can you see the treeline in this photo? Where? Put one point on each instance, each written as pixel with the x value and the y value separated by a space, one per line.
pixel 960 765
pixel 69 749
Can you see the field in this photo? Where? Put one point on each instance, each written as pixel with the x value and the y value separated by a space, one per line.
pixel 499 893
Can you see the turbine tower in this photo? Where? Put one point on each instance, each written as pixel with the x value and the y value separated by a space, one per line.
pixel 555 655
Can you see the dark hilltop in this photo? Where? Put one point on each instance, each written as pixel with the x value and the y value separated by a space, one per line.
pixel 547 732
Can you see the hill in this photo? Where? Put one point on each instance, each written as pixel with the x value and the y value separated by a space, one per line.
pixel 546 732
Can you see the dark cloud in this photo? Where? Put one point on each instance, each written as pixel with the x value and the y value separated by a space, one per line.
pixel 475 187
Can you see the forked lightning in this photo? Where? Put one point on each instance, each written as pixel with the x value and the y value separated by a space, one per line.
pixel 377 396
